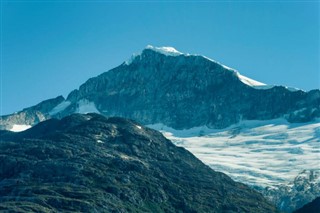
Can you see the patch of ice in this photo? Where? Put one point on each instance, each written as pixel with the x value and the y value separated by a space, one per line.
pixel 19 127
pixel 85 106
pixel 60 107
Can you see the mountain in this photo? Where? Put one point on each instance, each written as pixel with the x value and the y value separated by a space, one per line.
pixel 261 135
pixel 90 163
pixel 30 116
pixel 162 85
pixel 304 188
pixel 312 207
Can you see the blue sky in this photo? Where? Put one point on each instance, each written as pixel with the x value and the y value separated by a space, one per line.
pixel 50 48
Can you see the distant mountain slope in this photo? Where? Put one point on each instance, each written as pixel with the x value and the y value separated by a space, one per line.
pixel 162 85
pixel 312 207
pixel 303 189
pixel 90 163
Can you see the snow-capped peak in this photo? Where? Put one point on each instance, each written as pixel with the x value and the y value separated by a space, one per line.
pixel 170 51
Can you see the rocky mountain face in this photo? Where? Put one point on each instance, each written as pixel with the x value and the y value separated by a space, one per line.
pixel 31 115
pixel 179 91
pixel 90 163
pixel 303 189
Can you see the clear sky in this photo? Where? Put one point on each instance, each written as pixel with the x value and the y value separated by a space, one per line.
pixel 51 47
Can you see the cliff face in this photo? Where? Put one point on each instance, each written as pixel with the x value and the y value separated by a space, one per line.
pixel 90 163
pixel 183 91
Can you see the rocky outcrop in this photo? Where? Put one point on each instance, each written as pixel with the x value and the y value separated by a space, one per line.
pixel 31 115
pixel 89 163
pixel 184 91
pixel 303 189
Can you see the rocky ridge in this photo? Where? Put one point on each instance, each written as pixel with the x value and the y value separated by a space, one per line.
pixel 91 163
pixel 162 85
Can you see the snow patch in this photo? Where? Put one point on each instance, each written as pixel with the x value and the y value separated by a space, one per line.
pixel 60 107
pixel 249 81
pixel 258 85
pixel 19 127
pixel 85 106
pixel 169 51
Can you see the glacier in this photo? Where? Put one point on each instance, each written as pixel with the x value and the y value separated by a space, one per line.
pixel 258 153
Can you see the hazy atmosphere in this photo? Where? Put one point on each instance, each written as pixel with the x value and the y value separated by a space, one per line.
pixel 50 48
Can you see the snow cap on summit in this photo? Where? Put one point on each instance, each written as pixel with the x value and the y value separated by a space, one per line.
pixel 164 50
pixel 171 51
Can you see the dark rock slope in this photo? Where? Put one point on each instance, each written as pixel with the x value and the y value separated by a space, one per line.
pixel 90 163
pixel 312 207
pixel 184 91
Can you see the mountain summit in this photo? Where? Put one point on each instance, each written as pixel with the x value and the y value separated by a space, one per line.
pixel 163 85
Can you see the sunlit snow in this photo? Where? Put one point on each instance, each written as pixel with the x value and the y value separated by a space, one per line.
pixel 168 51
pixel 261 153
pixel 19 127
pixel 165 50
pixel 249 81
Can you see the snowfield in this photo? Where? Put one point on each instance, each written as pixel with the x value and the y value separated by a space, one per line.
pixel 19 127
pixel 258 153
